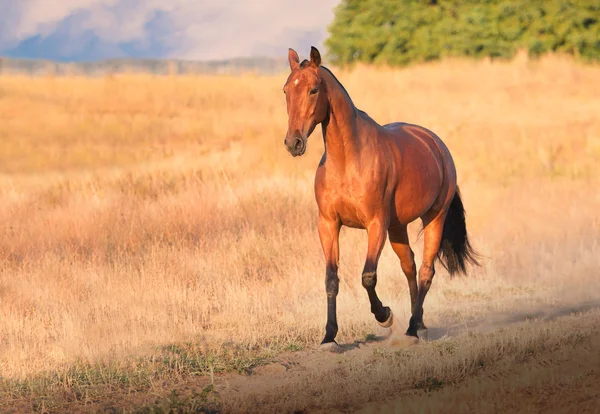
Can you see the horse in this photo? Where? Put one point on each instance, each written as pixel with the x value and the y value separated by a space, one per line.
pixel 377 178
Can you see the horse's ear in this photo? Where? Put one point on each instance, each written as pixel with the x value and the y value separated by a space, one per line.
pixel 315 56
pixel 293 59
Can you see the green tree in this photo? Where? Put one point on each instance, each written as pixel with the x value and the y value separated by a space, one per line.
pixel 398 32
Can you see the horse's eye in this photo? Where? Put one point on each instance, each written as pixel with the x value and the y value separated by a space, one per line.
pixel 284 92
pixel 312 92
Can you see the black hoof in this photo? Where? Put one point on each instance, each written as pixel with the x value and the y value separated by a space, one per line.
pixel 413 327
pixel 417 324
pixel 384 318
pixel 409 332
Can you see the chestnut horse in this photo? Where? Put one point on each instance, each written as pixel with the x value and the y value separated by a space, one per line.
pixel 378 178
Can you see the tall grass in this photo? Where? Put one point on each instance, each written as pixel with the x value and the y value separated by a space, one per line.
pixel 137 211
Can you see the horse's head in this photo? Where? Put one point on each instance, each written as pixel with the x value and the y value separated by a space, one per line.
pixel 306 100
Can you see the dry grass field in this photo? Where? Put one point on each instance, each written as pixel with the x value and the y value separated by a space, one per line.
pixel 159 250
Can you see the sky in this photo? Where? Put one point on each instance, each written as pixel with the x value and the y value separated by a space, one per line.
pixel 84 30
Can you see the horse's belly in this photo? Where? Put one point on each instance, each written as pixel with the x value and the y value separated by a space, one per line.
pixel 417 193
pixel 416 196
pixel 407 212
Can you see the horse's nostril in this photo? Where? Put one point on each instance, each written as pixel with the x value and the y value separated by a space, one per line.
pixel 298 145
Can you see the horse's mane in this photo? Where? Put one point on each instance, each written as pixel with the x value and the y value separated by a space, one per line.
pixel 340 84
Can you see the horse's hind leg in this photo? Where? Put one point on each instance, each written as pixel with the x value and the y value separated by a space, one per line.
pixel 433 237
pixel 377 233
pixel 399 242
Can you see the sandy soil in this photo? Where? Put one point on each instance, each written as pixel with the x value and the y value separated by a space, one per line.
pixel 562 377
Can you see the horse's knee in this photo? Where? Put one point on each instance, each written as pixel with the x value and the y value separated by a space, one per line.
pixel 369 280
pixel 332 283
pixel 410 270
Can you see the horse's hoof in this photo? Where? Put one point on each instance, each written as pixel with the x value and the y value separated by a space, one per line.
pixel 397 340
pixel 331 347
pixel 414 326
pixel 388 322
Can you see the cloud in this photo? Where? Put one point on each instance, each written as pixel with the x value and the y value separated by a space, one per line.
pixel 189 29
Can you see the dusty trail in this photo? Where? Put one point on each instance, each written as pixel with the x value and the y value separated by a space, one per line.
pixel 563 381
pixel 543 355
pixel 507 319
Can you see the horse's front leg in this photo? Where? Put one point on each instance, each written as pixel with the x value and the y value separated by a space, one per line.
pixel 329 231
pixel 377 232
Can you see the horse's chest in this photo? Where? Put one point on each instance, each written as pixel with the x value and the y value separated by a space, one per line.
pixel 351 206
pixel 350 198
pixel 351 214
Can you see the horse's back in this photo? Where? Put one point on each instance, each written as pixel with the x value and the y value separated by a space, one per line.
pixel 425 172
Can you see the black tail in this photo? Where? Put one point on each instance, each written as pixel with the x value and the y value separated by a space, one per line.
pixel 455 249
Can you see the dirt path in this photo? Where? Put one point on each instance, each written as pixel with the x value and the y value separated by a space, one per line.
pixel 563 381
pixel 550 364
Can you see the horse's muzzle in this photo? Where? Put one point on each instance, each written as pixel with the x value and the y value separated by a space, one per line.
pixel 296 146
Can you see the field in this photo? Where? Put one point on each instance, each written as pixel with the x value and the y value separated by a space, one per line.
pixel 159 247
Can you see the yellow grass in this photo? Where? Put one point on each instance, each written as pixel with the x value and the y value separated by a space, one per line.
pixel 138 211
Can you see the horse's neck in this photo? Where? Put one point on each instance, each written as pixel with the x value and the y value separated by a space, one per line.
pixel 340 130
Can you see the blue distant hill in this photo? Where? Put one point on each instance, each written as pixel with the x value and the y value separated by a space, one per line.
pixel 152 66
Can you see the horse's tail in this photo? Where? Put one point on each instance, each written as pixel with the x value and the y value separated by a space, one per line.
pixel 455 250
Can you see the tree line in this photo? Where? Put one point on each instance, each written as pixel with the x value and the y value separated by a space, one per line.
pixel 398 32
